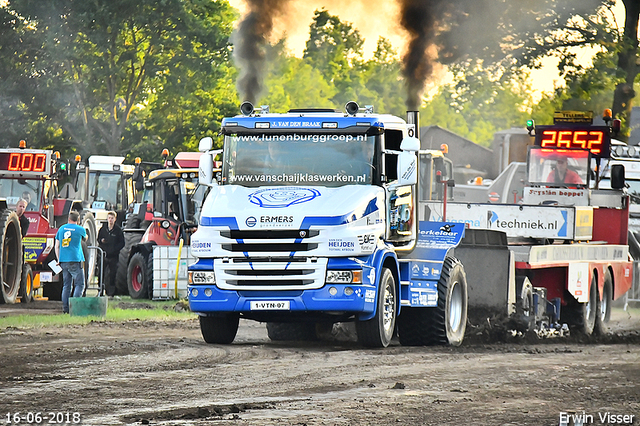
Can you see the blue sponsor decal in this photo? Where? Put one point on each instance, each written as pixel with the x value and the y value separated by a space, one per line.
pixel 282 197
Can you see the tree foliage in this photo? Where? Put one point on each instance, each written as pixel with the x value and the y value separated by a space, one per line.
pixel 93 69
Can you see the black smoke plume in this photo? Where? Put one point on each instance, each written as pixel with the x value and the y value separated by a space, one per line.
pixel 421 19
pixel 250 41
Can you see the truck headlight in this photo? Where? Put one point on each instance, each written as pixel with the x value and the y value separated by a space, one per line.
pixel 202 277
pixel 344 277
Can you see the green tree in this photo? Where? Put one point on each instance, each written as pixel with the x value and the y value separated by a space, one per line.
pixel 94 69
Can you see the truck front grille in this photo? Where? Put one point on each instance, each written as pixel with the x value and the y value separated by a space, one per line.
pixel 270 273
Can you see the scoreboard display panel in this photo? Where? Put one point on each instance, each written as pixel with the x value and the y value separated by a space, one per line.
pixel 596 139
pixel 24 162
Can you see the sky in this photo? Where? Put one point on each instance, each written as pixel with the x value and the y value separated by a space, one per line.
pixel 375 18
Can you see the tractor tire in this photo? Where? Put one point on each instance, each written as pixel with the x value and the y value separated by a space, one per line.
pixel 378 331
pixel 219 329
pixel 11 254
pixel 130 239
pixel 91 259
pixel 581 317
pixel 26 284
pixel 140 276
pixel 604 308
pixel 283 331
pixel 444 324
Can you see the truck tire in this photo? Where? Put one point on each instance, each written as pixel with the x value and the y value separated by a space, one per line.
pixel 221 329
pixel 581 317
pixel 26 284
pixel 130 239
pixel 282 331
pixel 378 331
pixel 604 308
pixel 447 322
pixel 88 222
pixel 11 255
pixel 140 276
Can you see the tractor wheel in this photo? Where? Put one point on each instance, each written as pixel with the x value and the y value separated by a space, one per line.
pixel 581 317
pixel 219 329
pixel 444 324
pixel 378 331
pixel 26 284
pixel 130 239
pixel 140 276
pixel 604 311
pixel 88 222
pixel 11 254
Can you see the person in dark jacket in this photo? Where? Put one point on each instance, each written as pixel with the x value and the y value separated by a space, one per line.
pixel 24 222
pixel 111 241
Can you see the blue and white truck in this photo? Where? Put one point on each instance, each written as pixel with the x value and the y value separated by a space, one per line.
pixel 318 217
pixel 313 220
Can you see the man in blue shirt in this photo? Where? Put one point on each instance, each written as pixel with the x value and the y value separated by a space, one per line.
pixel 70 256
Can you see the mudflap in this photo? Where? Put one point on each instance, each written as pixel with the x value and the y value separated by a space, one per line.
pixel 490 269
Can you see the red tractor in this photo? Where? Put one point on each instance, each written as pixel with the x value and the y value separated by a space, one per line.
pixel 33 174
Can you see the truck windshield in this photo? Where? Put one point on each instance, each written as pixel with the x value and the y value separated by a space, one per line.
pixel 298 159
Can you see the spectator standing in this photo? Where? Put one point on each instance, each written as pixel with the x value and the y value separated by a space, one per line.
pixel 70 256
pixel 24 222
pixel 111 241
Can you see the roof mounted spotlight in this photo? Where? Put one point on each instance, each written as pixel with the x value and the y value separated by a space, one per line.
pixel 352 108
pixel 606 116
pixel 368 109
pixel 246 108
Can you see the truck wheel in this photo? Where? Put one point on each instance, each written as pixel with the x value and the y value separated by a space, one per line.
pixel 447 322
pixel 221 329
pixel 26 284
pixel 581 317
pixel 378 331
pixel 11 254
pixel 604 311
pixel 281 331
pixel 140 276
pixel 88 222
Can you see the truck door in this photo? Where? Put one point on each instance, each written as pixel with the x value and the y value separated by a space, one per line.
pixel 401 200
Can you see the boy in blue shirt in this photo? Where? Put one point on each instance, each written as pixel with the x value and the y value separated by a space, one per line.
pixel 70 256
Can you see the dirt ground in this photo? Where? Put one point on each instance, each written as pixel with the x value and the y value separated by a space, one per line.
pixel 163 373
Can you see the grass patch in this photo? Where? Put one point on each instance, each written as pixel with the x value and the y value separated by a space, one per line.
pixel 126 309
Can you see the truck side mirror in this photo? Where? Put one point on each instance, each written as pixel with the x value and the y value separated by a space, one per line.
pixel 407 168
pixel 205 144
pixel 410 144
pixel 617 176
pixel 205 169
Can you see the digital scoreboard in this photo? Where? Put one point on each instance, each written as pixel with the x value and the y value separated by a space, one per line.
pixel 596 139
pixel 24 162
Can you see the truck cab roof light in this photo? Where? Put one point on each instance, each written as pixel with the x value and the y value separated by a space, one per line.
pixel 263 125
pixel 165 153
pixel 606 115
pixel 23 144
pixel 138 160
pixel 78 158
pixel 56 154
pixel 329 125
pixel 444 148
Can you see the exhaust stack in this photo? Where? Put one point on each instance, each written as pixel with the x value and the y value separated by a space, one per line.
pixel 413 117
